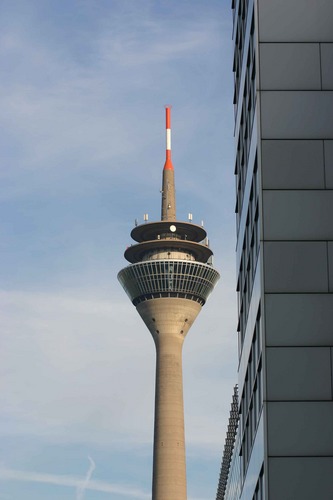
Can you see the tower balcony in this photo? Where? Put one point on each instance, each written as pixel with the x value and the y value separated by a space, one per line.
pixel 168 278
pixel 180 230
pixel 142 251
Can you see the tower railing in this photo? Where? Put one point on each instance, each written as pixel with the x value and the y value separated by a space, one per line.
pixel 148 278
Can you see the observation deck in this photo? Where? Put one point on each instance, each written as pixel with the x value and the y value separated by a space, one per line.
pixel 162 236
pixel 168 278
pixel 164 229
pixel 169 260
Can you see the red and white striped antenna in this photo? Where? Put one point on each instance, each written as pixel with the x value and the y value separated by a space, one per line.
pixel 168 162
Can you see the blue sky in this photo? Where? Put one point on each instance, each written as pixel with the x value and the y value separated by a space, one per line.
pixel 82 95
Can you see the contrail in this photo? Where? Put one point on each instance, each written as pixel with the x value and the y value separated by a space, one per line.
pixel 82 487
pixel 73 482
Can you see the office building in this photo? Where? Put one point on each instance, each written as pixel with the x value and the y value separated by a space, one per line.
pixel 168 281
pixel 283 101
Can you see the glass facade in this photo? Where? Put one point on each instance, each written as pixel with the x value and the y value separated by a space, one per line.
pixel 248 223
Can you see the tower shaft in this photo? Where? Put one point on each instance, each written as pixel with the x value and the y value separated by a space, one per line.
pixel 168 212
pixel 169 466
pixel 169 320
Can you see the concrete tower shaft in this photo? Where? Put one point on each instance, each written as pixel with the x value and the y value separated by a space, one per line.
pixel 168 281
pixel 169 320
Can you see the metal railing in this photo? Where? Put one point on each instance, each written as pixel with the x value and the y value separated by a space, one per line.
pixel 149 279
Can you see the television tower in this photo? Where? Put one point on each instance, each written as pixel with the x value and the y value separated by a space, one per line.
pixel 168 281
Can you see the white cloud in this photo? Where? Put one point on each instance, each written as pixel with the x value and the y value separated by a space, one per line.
pixel 81 367
pixel 64 116
pixel 60 351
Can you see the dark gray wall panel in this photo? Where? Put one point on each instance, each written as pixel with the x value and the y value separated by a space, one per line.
pixel 299 319
pixel 298 215
pixel 327 65
pixel 329 163
pixel 298 373
pixel 295 21
pixel 301 478
pixel 290 66
pixel 330 264
pixel 300 428
pixel 295 267
pixel 332 366
pixel 297 115
pixel 293 164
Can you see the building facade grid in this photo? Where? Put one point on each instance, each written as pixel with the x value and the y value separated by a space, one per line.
pixel 283 110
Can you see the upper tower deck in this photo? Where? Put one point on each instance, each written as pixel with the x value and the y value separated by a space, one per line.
pixel 161 247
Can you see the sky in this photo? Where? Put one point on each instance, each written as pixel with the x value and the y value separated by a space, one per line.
pixel 82 94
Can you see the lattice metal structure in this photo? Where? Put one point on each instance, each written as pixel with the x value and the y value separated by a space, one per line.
pixel 228 446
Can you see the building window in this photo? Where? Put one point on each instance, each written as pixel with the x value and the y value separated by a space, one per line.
pixel 249 257
pixel 259 492
pixel 252 396
pixel 240 25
